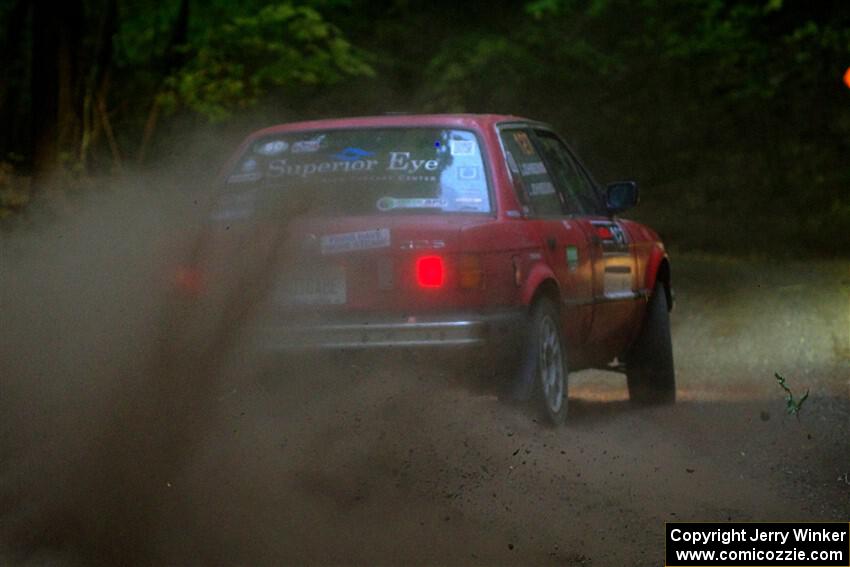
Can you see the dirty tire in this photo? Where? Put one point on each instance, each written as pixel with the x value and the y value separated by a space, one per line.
pixel 550 366
pixel 649 364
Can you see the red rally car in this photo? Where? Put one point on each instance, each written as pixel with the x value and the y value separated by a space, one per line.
pixel 476 231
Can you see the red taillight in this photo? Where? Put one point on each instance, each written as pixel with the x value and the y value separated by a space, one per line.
pixel 430 271
pixel 189 280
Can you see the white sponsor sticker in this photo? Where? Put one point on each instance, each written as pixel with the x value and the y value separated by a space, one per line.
pixel 462 147
pixel 244 177
pixel 389 203
pixel 306 146
pixel 249 165
pixel 272 148
pixel 541 188
pixel 617 284
pixel 349 241
pixel 533 168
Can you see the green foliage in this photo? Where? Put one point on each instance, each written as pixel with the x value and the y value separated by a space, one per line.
pixel 730 113
pixel 143 33
pixel 757 50
pixel 455 74
pixel 727 111
pixel 233 63
pixel 792 406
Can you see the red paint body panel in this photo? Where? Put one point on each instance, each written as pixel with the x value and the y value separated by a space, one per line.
pixel 601 286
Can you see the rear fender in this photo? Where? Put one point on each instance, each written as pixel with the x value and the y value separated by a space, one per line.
pixel 540 281
pixel 658 269
pixel 540 278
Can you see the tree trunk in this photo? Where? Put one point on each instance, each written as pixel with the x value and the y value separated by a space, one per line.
pixel 173 60
pixel 56 32
pixel 45 90
pixel 110 137
pixel 12 81
pixel 95 87
pixel 150 128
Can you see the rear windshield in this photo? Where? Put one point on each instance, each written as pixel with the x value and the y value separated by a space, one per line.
pixel 370 170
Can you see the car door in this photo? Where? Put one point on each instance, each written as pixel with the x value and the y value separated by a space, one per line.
pixel 615 279
pixel 551 213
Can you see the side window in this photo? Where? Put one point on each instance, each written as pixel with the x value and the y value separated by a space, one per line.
pixel 563 171
pixel 589 194
pixel 567 174
pixel 527 166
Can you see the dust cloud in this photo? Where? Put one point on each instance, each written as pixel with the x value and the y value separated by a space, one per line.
pixel 138 426
pixel 95 408
pixel 120 388
pixel 108 374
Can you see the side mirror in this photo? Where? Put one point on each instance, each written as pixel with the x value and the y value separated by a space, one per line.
pixel 621 196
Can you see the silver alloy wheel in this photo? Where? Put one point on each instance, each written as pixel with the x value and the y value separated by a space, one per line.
pixel 551 365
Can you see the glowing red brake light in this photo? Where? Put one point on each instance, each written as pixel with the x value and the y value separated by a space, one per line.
pixel 430 271
pixel 189 280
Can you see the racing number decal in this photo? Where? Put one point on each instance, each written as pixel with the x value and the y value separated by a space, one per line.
pixel 524 143
pixel 616 260
pixel 619 235
pixel 611 235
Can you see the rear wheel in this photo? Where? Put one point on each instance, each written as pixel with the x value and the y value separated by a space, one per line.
pixel 649 364
pixel 549 361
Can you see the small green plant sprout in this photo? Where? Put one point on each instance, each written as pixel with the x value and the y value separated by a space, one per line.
pixel 792 406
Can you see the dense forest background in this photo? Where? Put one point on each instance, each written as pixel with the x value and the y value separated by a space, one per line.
pixel 732 115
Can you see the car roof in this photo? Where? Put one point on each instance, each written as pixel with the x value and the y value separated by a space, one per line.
pixel 473 121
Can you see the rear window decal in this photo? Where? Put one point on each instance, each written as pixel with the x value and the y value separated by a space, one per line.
pixel 271 148
pixel 390 203
pixel 462 147
pixel 245 177
pixel 349 171
pixel 307 146
pixel 352 154
pixel 350 241
pixel 280 167
pixel 401 161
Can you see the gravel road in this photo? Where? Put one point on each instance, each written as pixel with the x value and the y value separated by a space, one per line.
pixel 404 459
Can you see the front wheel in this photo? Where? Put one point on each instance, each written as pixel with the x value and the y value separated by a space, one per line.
pixel 649 364
pixel 549 357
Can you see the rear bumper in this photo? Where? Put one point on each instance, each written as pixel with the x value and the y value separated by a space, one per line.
pixel 463 329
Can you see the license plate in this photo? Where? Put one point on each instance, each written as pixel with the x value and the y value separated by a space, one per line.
pixel 325 286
